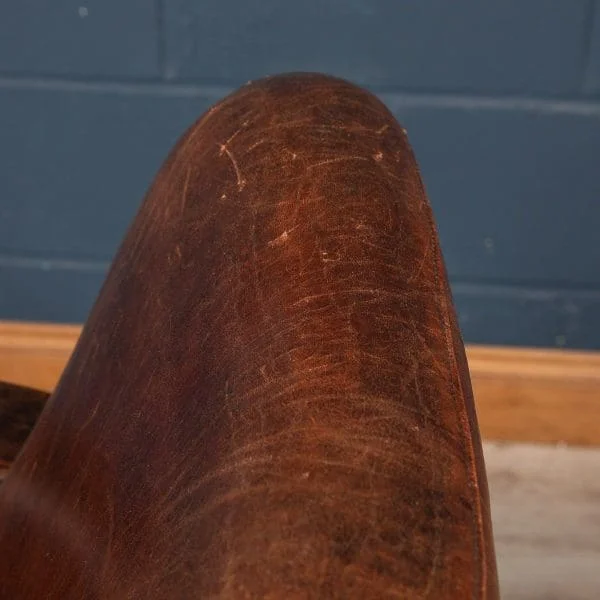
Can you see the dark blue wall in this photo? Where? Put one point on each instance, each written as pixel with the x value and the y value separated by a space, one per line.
pixel 501 100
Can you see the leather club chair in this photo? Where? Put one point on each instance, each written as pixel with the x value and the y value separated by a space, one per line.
pixel 270 398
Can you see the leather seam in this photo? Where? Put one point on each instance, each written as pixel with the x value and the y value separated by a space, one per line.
pixel 442 304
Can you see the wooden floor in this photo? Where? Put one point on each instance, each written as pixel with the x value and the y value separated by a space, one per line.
pixel 546 516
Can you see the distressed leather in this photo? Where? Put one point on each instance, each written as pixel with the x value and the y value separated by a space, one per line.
pixel 270 398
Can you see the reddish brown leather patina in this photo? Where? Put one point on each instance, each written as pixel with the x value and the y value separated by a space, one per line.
pixel 270 398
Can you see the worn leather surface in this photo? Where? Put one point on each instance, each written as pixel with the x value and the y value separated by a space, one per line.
pixel 270 398
pixel 20 408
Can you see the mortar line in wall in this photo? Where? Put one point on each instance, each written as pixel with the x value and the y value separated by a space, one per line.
pixel 395 99
pixel 141 87
pixel 459 284
pixel 531 290
pixel 50 264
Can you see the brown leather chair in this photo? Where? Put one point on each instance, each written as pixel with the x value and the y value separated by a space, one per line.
pixel 270 398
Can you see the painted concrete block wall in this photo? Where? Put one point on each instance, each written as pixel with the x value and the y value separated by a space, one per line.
pixel 501 101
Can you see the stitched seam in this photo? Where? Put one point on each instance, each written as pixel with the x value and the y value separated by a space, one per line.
pixel 479 542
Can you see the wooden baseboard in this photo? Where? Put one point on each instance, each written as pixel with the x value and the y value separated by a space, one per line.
pixel 537 395
pixel 521 394
pixel 35 354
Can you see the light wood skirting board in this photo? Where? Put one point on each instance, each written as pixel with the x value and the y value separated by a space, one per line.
pixel 521 394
